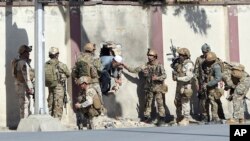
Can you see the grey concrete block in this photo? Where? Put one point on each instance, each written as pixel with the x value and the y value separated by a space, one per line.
pixel 36 123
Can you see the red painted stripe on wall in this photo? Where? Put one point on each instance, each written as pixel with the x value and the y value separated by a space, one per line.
pixel 75 32
pixel 157 35
pixel 233 34
pixel 75 37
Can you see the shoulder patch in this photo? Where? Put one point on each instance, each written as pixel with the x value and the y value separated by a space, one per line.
pixel 91 92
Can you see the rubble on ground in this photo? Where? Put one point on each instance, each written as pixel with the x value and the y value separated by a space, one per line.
pixel 104 122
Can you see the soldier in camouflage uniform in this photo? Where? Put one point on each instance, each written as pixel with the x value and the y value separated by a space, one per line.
pixel 212 76
pixel 183 74
pixel 154 86
pixel 199 80
pixel 56 94
pixel 238 82
pixel 88 55
pixel 24 76
pixel 89 101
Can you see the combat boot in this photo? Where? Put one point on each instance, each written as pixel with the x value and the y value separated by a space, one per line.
pixel 192 120
pixel 184 122
pixel 232 121
pixel 179 118
pixel 147 119
pixel 160 121
pixel 90 124
pixel 241 121
pixel 215 121
pixel 204 119
pixel 80 126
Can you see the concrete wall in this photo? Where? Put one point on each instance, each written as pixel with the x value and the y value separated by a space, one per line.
pixel 131 26
pixel 128 26
pixel 17 27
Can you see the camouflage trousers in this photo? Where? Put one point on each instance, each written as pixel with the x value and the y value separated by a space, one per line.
pixel 202 105
pixel 24 100
pixel 55 101
pixel 238 106
pixel 182 102
pixel 211 100
pixel 159 101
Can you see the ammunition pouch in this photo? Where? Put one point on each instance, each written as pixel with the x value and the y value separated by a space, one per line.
pixel 32 74
pixel 164 88
pixel 92 112
pixel 97 104
pixel 19 77
pixel 93 72
pixel 218 93
pixel 188 93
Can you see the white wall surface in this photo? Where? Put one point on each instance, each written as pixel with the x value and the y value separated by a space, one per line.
pixel 17 28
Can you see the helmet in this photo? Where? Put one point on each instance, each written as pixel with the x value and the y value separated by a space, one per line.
pixel 184 51
pixel 237 73
pixel 239 67
pixel 89 47
pixel 205 48
pixel 151 52
pixel 211 56
pixel 24 48
pixel 83 79
pixel 53 50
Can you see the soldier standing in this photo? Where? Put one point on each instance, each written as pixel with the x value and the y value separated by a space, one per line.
pixel 57 91
pixel 154 86
pixel 24 76
pixel 238 82
pixel 199 80
pixel 212 76
pixel 94 65
pixel 89 101
pixel 183 74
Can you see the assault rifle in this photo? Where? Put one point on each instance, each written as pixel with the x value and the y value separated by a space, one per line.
pixel 175 58
pixel 65 98
pixel 202 93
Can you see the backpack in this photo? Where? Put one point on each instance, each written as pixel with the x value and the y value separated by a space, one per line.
pixel 51 74
pixel 82 68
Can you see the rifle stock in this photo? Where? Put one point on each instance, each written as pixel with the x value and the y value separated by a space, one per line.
pixel 175 58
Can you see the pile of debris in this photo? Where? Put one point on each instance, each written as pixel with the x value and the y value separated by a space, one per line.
pixel 104 122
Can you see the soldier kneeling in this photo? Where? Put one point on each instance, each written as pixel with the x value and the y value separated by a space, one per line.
pixel 89 104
